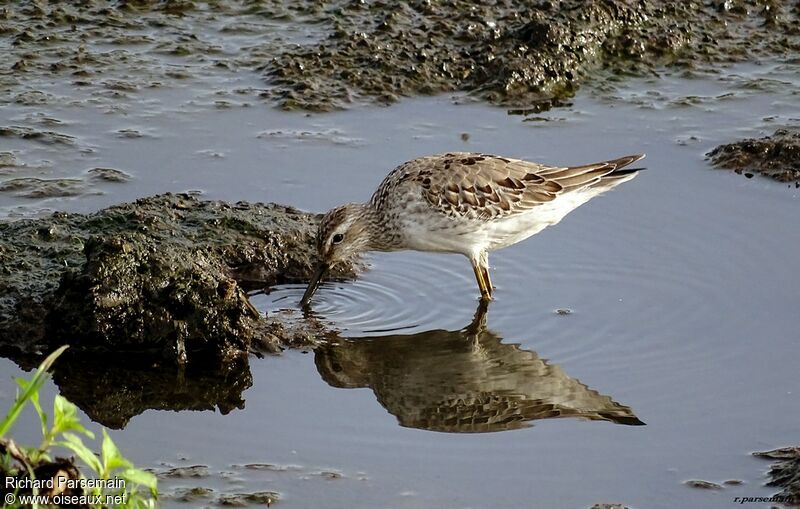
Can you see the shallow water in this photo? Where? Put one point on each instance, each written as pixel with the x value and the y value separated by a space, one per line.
pixel 680 285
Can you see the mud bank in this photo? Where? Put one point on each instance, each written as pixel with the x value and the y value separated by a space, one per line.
pixel 521 54
pixel 161 278
pixel 785 473
pixel 329 55
pixel 776 156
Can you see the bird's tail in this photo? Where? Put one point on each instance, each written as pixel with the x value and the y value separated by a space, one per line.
pixel 602 175
pixel 620 173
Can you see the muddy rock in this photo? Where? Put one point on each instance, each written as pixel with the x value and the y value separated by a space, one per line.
pixel 514 53
pixel 341 52
pixel 31 187
pixel 109 175
pixel 785 473
pixel 776 156
pixel 195 471
pixel 133 294
pixel 702 485
pixel 45 137
pixel 246 499
pixel 163 277
pixel 194 494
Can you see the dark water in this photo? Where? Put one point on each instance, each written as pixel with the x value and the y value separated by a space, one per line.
pixel 680 287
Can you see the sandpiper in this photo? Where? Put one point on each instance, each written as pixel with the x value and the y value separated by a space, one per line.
pixel 462 202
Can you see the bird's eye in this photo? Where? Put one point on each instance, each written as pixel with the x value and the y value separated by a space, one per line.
pixel 338 238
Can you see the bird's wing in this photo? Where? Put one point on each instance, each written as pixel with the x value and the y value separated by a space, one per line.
pixel 464 184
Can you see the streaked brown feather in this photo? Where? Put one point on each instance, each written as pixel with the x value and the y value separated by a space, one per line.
pixel 487 186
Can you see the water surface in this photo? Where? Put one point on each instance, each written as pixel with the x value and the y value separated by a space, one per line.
pixel 680 289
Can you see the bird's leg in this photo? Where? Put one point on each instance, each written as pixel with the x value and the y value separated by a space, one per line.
pixel 481 275
pixel 488 280
pixel 484 265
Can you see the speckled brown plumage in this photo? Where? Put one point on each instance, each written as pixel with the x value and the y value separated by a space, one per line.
pixel 486 186
pixel 462 202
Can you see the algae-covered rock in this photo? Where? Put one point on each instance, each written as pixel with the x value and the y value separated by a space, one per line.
pixel 516 53
pixel 776 156
pixel 329 55
pixel 162 276
pixel 136 294
pixel 785 473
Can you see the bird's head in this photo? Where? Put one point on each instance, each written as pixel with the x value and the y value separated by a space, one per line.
pixel 343 233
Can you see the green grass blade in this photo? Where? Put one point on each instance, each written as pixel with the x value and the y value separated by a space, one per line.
pixel 31 388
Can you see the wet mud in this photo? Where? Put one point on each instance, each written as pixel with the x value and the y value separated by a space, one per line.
pixel 515 54
pixel 702 485
pixel 200 483
pixel 776 156
pixel 22 176
pixel 324 56
pixel 207 494
pixel 163 278
pixel 41 188
pixel 785 473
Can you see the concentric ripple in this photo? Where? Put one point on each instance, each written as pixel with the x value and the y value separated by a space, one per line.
pixel 402 291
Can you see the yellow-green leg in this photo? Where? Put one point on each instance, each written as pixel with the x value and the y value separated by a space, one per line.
pixel 488 280
pixel 482 276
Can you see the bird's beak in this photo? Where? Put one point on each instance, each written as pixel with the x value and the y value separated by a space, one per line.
pixel 322 268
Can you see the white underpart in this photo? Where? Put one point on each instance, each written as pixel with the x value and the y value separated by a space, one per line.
pixel 470 237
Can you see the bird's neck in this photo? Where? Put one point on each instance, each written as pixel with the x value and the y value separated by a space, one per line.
pixel 382 235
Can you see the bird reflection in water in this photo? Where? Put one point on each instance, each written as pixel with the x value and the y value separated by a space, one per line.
pixel 464 381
